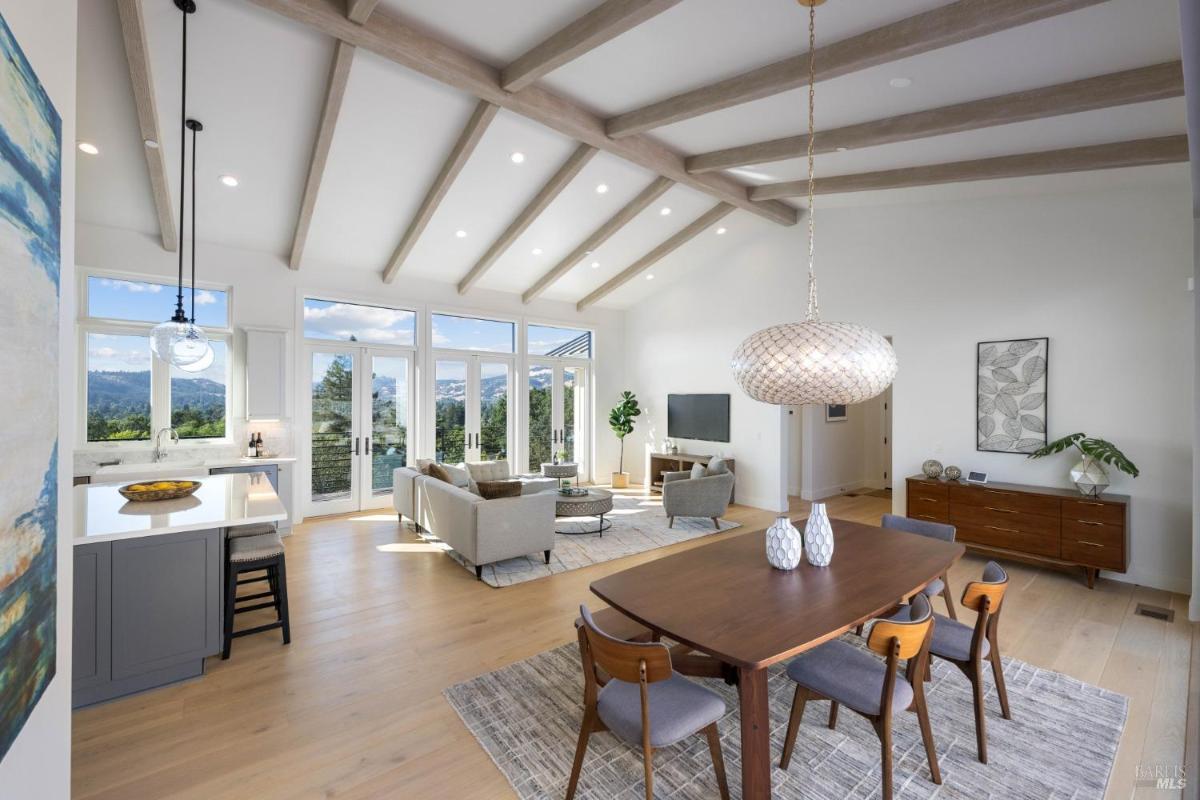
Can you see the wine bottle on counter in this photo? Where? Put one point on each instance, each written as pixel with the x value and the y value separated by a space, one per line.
pixel 258 446
pixel 252 451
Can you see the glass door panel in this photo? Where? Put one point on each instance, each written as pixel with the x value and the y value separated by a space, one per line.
pixel 571 389
pixel 334 483
pixel 492 442
pixel 541 415
pixel 450 408
pixel 389 414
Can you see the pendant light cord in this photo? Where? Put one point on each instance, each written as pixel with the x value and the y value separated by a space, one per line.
pixel 179 315
pixel 195 129
pixel 814 310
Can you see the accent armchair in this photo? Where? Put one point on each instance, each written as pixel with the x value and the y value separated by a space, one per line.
pixel 685 496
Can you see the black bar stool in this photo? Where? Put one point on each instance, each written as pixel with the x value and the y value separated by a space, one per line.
pixel 262 552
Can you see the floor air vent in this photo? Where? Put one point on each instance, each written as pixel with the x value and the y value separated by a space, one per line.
pixel 1155 612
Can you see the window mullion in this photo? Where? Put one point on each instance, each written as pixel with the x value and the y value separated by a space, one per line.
pixel 160 395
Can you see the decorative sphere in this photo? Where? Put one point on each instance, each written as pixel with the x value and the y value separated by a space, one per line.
pixel 814 362
pixel 932 468
pixel 952 473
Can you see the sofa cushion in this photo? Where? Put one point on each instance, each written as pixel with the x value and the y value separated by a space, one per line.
pixel 717 466
pixel 494 490
pixel 459 475
pixel 489 471
pixel 698 470
pixel 439 471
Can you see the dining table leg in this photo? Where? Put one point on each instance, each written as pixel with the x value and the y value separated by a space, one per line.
pixel 756 733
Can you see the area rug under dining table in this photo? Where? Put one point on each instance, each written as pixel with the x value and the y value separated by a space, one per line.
pixel 1060 743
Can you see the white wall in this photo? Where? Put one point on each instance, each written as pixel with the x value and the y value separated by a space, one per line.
pixel 1102 273
pixel 842 453
pixel 267 293
pixel 39 762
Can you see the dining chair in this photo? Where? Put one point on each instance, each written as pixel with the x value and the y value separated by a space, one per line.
pixel 850 676
pixel 932 530
pixel 966 647
pixel 643 701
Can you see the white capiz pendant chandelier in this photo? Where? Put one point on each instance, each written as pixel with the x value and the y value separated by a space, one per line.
pixel 814 361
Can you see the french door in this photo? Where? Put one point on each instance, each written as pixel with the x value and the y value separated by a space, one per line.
pixel 360 425
pixel 472 407
pixel 558 414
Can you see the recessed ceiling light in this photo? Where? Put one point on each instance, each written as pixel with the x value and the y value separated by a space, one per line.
pixel 720 231
pixel 89 148
pixel 601 188
pixel 517 157
pixel 229 181
pixel 900 83
pixel 595 265
pixel 537 251
pixel 461 234
pixel 650 277
pixel 665 211
pixel 153 145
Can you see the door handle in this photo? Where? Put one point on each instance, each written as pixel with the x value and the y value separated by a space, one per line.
pixel 368 449
pixel 356 443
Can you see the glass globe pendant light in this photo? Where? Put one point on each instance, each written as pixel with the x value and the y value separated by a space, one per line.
pixel 179 341
pixel 194 338
pixel 814 361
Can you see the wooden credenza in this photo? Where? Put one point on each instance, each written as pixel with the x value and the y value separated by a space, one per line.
pixel 1044 525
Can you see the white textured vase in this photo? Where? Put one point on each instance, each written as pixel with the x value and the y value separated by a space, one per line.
pixel 818 537
pixel 784 545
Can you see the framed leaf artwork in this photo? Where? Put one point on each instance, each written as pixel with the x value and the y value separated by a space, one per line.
pixel 1010 395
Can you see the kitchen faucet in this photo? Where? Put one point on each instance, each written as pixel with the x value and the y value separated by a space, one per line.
pixel 160 453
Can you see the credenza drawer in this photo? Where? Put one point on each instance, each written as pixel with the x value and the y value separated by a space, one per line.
pixel 1008 538
pixel 1002 498
pixel 933 490
pixel 1096 544
pixel 930 514
pixel 1093 511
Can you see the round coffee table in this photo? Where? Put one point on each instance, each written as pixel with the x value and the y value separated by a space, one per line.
pixel 596 503
pixel 562 471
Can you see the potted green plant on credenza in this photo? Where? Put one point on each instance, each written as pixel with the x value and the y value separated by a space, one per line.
pixel 621 419
pixel 1089 474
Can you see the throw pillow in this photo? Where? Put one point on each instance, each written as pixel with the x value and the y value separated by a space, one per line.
pixel 697 470
pixel 458 475
pixel 494 490
pixel 439 472
pixel 717 467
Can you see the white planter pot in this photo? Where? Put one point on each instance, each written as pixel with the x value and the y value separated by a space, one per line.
pixel 1090 477
pixel 818 537
pixel 784 546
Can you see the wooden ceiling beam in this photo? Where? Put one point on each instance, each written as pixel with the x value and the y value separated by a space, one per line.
pixel 335 92
pixel 603 23
pixel 387 36
pixel 566 173
pixel 602 234
pixel 644 263
pixel 359 10
pixel 480 119
pixel 1136 153
pixel 951 24
pixel 1157 82
pixel 133 31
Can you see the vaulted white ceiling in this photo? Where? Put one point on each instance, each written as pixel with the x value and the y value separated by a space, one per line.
pixel 257 82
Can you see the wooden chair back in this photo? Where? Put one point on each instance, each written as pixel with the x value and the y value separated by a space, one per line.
pixel 992 588
pixel 632 662
pixel 908 636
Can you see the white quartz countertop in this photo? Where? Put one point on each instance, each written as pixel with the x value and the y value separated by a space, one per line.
pixel 222 501
pixel 186 466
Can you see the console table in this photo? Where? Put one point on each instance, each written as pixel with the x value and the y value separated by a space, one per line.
pixel 1043 525
pixel 677 462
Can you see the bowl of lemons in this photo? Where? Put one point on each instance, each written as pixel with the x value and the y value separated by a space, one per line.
pixel 147 491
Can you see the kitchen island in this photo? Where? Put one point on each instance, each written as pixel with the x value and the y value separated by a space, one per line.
pixel 148 587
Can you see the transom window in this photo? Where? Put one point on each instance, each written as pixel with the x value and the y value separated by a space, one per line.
pixel 547 340
pixel 351 322
pixel 128 394
pixel 471 333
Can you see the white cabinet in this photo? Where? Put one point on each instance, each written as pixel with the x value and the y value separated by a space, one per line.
pixel 266 374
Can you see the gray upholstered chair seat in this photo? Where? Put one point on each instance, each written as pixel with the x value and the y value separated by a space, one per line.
pixel 952 640
pixel 848 675
pixel 934 588
pixel 678 709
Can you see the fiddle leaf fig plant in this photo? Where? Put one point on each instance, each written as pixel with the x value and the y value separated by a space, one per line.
pixel 622 418
pixel 1099 449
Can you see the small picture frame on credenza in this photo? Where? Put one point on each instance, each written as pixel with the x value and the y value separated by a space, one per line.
pixel 835 413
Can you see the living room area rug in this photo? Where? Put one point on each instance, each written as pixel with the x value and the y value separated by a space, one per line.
pixel 638 525
pixel 1061 742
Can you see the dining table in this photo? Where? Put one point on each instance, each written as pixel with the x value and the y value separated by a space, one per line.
pixel 726 602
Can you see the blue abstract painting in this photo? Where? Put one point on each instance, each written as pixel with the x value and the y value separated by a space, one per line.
pixel 30 226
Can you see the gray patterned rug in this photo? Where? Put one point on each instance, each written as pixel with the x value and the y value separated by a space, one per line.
pixel 1061 742
pixel 638 525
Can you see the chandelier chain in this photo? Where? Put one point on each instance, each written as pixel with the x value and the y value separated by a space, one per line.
pixel 814 310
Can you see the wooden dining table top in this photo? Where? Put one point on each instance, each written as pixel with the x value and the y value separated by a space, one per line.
pixel 724 599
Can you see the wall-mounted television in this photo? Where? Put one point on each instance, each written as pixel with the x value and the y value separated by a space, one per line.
pixel 698 416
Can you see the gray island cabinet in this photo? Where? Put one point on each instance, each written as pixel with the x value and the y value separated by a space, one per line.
pixel 147 605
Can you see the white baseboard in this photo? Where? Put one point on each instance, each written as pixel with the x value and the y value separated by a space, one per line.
pixel 841 488
pixel 1168 583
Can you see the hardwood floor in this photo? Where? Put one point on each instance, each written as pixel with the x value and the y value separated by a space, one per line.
pixel 382 623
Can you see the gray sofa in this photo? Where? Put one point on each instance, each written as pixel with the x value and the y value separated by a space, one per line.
pixel 688 496
pixel 481 531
